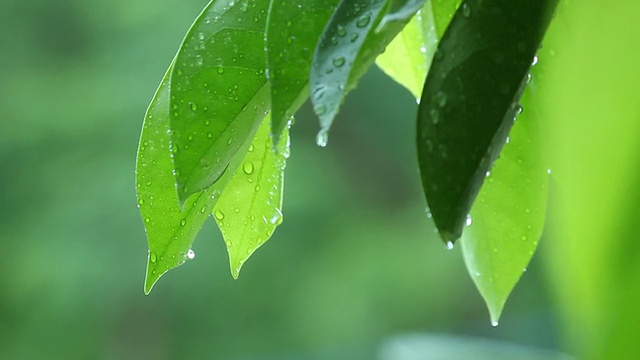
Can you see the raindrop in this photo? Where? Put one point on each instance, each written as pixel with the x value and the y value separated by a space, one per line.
pixel 320 109
pixel 466 10
pixel 247 167
pixel 237 210
pixel 449 245
pixel 183 222
pixel 338 61
pixel 251 148
pixel 153 257
pixel 322 138
pixel 535 60
pixel 468 221
pixel 363 21
pixel 220 70
pixel 218 214
pixel 191 254
pixel 441 99
pixel 341 31
pixel 494 323
pixel 354 37
pixel 194 107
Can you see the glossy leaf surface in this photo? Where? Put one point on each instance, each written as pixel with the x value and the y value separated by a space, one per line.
pixel 508 215
pixel 219 91
pixel 348 47
pixel 293 30
pixel 170 229
pixel 470 99
pixel 250 208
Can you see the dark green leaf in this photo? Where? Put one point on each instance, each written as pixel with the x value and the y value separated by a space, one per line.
pixel 470 99
pixel 347 49
pixel 219 91
pixel 249 208
pixel 293 30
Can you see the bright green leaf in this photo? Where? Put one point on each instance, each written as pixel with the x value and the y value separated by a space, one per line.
pixel 470 99
pixel 249 209
pixel 219 91
pixel 293 30
pixel 508 215
pixel 409 55
pixel 347 49
pixel 443 11
pixel 170 229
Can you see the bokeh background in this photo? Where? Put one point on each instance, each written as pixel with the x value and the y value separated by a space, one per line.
pixel 355 268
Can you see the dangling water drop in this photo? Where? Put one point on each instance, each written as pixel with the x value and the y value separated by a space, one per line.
pixel 191 254
pixel 322 138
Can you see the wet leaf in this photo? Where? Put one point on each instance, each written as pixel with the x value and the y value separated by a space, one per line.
pixel 508 215
pixel 443 11
pixel 409 55
pixel 249 209
pixel 347 49
pixel 219 91
pixel 293 30
pixel 470 99
pixel 170 229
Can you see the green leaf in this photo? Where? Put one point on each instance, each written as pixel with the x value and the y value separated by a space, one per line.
pixel 509 213
pixel 249 209
pixel 293 29
pixel 409 55
pixel 219 91
pixel 170 229
pixel 470 99
pixel 443 11
pixel 347 49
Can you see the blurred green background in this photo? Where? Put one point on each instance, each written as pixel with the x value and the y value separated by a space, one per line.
pixel 355 265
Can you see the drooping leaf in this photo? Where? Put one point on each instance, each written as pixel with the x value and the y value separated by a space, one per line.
pixel 170 229
pixel 249 208
pixel 470 99
pixel 219 91
pixel 293 30
pixel 508 215
pixel 348 47
pixel 409 55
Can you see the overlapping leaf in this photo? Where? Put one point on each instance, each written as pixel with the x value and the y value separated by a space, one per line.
pixel 409 55
pixel 348 47
pixel 249 209
pixel 470 99
pixel 219 91
pixel 293 30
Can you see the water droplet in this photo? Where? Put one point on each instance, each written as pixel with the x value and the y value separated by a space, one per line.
pixel 191 254
pixel 468 221
pixel 320 109
pixel 236 210
pixel 435 116
pixel 247 167
pixel 341 31
pixel 338 61
pixel 354 37
pixel 218 215
pixel 363 21
pixel 466 10
pixel 494 323
pixel 441 99
pixel 147 219
pixel 183 222
pixel 549 171
pixel 193 106
pixel 153 257
pixel 535 60
pixel 449 245
pixel 322 138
